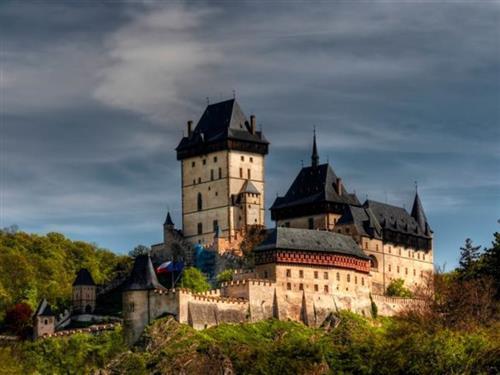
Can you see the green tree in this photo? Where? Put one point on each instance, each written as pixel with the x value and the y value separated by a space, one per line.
pixel 225 276
pixel 193 279
pixel 397 289
pixel 139 250
pixel 469 260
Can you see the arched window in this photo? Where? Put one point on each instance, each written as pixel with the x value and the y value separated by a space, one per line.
pixel 200 202
pixel 373 262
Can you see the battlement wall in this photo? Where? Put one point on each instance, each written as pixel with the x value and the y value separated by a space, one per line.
pixel 389 306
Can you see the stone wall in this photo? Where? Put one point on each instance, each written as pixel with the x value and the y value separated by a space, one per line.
pixel 252 300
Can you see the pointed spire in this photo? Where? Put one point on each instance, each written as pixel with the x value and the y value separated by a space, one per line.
pixel 168 220
pixel 315 156
pixel 143 276
pixel 417 212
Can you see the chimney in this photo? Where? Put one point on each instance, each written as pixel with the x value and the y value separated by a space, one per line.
pixel 252 124
pixel 190 128
pixel 339 186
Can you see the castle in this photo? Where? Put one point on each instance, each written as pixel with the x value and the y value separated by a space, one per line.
pixel 328 250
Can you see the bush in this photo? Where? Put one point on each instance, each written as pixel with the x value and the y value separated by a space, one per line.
pixel 18 319
pixel 397 289
pixel 225 276
pixel 193 279
pixel 76 354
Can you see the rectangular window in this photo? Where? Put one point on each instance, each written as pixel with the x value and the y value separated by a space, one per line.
pixel 347 230
pixel 366 245
pixel 310 223
pixel 398 269
pixel 241 172
pixel 315 274
pixel 301 286
pixel 288 273
pixel 325 288
pixel 338 276
pixel 325 275
pixel 211 174
pixel 242 158
pixel 316 288
pixel 216 225
pixel 251 159
pixel 215 159
pixel 414 272
pixel 204 161
pixel 193 164
pixel 348 277
pixel 220 172
pixel 389 268
pixel 406 271
pixel 249 174
pixel 363 281
pixel 200 228
pixel 288 286
pixel 301 273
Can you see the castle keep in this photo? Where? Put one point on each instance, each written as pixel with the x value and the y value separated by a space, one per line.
pixel 327 251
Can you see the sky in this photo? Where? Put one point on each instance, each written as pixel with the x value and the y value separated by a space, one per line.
pixel 95 97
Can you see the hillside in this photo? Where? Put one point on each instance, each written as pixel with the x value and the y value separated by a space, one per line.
pixel 44 266
pixel 357 345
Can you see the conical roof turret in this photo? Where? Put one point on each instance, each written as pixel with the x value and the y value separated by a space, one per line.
pixel 168 220
pixel 143 276
pixel 417 212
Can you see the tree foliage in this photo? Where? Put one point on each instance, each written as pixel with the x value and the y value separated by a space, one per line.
pixel 33 267
pixel 139 250
pixel 397 289
pixel 225 276
pixel 193 279
pixel 18 319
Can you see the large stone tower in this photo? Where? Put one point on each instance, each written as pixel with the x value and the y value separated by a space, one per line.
pixel 222 167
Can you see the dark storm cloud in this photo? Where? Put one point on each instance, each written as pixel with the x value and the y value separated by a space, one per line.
pixel 95 95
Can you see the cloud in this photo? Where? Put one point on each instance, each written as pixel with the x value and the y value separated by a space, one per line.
pixel 95 98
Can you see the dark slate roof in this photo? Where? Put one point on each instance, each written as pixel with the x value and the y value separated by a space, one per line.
pixel 417 212
pixel 220 122
pixel 168 220
pixel 373 217
pixel 44 309
pixel 83 277
pixel 143 276
pixel 360 218
pixel 282 238
pixel 314 185
pixel 249 187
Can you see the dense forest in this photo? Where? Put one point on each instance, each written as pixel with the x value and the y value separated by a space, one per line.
pixel 34 266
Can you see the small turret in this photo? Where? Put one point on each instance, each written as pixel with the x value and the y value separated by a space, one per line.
pixel 168 221
pixel 84 293
pixel 44 320
pixel 139 304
